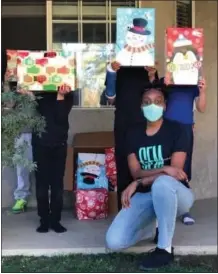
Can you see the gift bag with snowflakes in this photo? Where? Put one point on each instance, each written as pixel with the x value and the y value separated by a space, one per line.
pixel 184 55
pixel 46 71
pixel 91 171
pixel 91 204
pixel 110 166
pixel 11 70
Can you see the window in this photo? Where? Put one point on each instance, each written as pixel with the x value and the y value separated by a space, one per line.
pixel 65 32
pixel 89 28
pixel 95 20
pixel 94 33
pixel 184 13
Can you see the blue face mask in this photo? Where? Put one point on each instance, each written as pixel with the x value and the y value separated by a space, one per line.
pixel 152 112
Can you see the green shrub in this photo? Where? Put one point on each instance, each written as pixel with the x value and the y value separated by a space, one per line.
pixel 18 112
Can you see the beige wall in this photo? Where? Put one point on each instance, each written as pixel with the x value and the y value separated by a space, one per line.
pixel 205 154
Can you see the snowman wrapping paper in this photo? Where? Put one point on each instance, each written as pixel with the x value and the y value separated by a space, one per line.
pixel 46 71
pixel 184 55
pixel 135 37
pixel 91 171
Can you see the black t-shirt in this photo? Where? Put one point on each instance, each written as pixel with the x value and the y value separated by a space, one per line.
pixel 155 151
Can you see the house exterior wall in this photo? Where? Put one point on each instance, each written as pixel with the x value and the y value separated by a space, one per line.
pixel 205 153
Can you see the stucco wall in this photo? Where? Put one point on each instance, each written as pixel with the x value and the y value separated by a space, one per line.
pixel 205 154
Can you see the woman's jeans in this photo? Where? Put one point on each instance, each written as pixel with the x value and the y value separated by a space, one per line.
pixel 168 199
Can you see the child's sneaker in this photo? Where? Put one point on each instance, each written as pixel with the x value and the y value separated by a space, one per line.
pixel 187 219
pixel 19 206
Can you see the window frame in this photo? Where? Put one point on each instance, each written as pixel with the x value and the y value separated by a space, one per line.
pixel 108 21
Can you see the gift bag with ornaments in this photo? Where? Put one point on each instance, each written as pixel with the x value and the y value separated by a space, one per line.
pixel 91 204
pixel 91 172
pixel 110 166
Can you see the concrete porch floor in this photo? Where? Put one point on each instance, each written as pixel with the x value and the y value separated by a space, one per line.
pixel 19 236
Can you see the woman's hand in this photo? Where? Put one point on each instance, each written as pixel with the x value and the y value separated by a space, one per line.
pixel 127 194
pixel 175 172
pixel 115 65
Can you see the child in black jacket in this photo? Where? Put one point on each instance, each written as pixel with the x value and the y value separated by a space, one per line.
pixel 49 153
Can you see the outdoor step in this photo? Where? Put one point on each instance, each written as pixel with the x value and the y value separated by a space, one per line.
pixel 19 236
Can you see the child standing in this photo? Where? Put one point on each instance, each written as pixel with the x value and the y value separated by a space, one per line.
pixel 22 190
pixel 49 153
pixel 180 102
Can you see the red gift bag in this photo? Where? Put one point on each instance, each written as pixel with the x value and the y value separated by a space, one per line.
pixel 91 204
pixel 110 164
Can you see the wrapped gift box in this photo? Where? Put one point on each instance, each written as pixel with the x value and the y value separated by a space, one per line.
pixel 184 55
pixel 46 71
pixel 91 171
pixel 91 204
pixel 135 36
pixel 11 71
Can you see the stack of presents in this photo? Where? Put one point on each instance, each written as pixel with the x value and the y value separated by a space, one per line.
pixel 95 177
pixel 83 66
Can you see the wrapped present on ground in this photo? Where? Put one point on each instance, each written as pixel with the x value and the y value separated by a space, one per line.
pixel 46 71
pixel 11 71
pixel 91 171
pixel 91 204
pixel 184 55
pixel 110 166
pixel 135 36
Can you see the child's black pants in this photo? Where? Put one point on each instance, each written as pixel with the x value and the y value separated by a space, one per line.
pixel 49 175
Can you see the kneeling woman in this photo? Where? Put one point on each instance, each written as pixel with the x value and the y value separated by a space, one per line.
pixel 156 156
